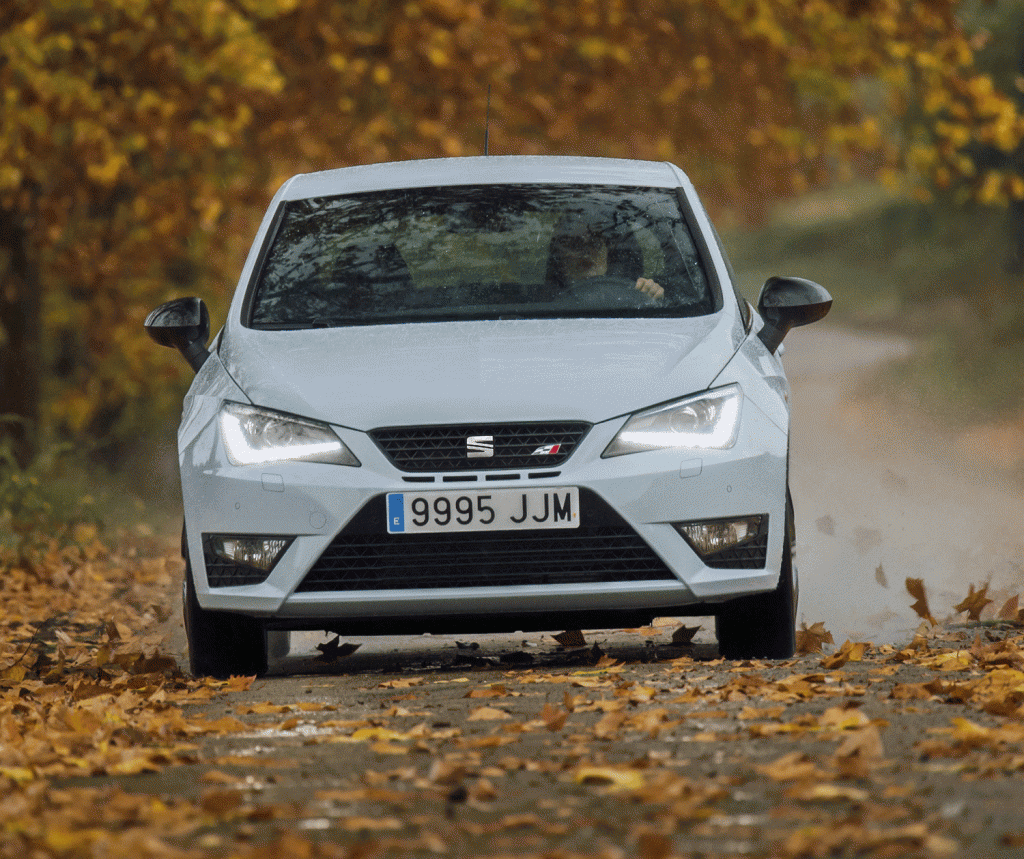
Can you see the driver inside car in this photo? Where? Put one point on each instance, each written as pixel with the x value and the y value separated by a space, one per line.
pixel 579 253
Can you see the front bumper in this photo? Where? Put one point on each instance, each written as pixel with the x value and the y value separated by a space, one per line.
pixel 324 506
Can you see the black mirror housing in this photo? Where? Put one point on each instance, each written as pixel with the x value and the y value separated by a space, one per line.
pixel 183 323
pixel 786 302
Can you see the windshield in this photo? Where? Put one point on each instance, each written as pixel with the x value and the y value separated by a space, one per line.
pixel 480 252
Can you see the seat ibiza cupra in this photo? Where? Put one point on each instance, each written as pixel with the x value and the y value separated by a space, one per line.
pixel 486 394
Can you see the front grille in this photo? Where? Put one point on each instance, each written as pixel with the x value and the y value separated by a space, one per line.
pixel 752 555
pixel 221 573
pixel 447 448
pixel 603 549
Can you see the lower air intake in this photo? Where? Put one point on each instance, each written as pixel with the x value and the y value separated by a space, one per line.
pixel 603 549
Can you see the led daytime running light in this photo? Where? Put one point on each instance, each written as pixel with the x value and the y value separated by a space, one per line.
pixel 254 436
pixel 709 421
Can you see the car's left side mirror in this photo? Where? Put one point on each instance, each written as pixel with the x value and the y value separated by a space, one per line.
pixel 183 323
pixel 786 302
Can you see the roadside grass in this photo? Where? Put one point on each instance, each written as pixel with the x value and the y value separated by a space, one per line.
pixel 937 273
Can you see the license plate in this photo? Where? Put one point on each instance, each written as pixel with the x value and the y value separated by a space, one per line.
pixel 497 510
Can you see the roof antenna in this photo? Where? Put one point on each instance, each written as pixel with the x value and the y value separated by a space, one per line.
pixel 487 121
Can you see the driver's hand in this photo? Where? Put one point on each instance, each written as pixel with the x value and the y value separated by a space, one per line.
pixel 649 287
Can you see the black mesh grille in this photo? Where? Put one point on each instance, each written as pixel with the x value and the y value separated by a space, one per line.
pixel 221 573
pixel 603 549
pixel 750 556
pixel 445 448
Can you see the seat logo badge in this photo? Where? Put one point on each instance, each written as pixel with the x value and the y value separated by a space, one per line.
pixel 546 450
pixel 478 446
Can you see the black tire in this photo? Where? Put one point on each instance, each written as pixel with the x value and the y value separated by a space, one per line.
pixel 763 626
pixel 221 644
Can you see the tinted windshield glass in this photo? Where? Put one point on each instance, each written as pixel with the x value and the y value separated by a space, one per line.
pixel 480 252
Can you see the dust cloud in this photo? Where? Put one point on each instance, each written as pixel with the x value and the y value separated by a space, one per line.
pixel 882 496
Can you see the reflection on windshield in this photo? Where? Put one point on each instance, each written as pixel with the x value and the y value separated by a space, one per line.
pixel 480 252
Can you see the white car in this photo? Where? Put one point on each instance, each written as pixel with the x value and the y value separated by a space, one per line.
pixel 486 394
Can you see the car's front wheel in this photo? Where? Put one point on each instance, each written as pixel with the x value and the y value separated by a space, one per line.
pixel 763 626
pixel 221 644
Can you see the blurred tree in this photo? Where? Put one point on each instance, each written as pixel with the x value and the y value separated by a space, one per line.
pixel 138 133
pixel 998 27
pixel 754 98
pixel 119 151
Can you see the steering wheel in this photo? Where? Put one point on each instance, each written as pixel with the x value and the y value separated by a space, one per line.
pixel 606 290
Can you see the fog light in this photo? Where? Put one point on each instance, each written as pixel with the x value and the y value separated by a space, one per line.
pixel 716 535
pixel 261 553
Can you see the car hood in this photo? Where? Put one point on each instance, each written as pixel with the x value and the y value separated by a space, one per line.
pixel 481 371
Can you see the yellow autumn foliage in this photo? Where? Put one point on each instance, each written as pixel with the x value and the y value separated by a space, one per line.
pixel 140 139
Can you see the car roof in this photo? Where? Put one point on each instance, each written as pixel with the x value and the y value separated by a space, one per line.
pixel 483 170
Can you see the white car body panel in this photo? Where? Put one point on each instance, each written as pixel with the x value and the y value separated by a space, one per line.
pixel 515 370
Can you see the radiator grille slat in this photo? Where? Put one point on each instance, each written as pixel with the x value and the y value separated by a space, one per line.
pixel 446 448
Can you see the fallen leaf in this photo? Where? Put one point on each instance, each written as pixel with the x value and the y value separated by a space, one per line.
pixel 372 824
pixel 224 725
pixel 1009 610
pixel 915 587
pixel 21 775
pixel 826 792
pixel 684 634
pixel 608 725
pixel 795 766
pixel 220 803
pixel 653 845
pixel 974 602
pixel 332 651
pixel 379 734
pixel 483 790
pixel 401 683
pixel 616 778
pixel 880 576
pixel 859 753
pixel 495 690
pixel 571 638
pixel 553 717
pixel 483 714
pixel 850 652
pixel 748 713
pixel 446 772
pixel 809 639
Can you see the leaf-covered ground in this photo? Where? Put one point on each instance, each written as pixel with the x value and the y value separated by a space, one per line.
pixel 622 744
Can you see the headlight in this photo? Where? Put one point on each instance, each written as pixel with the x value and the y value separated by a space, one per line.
pixel 707 421
pixel 254 436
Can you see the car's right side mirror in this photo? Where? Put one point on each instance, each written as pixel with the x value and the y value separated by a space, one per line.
pixel 786 302
pixel 183 323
